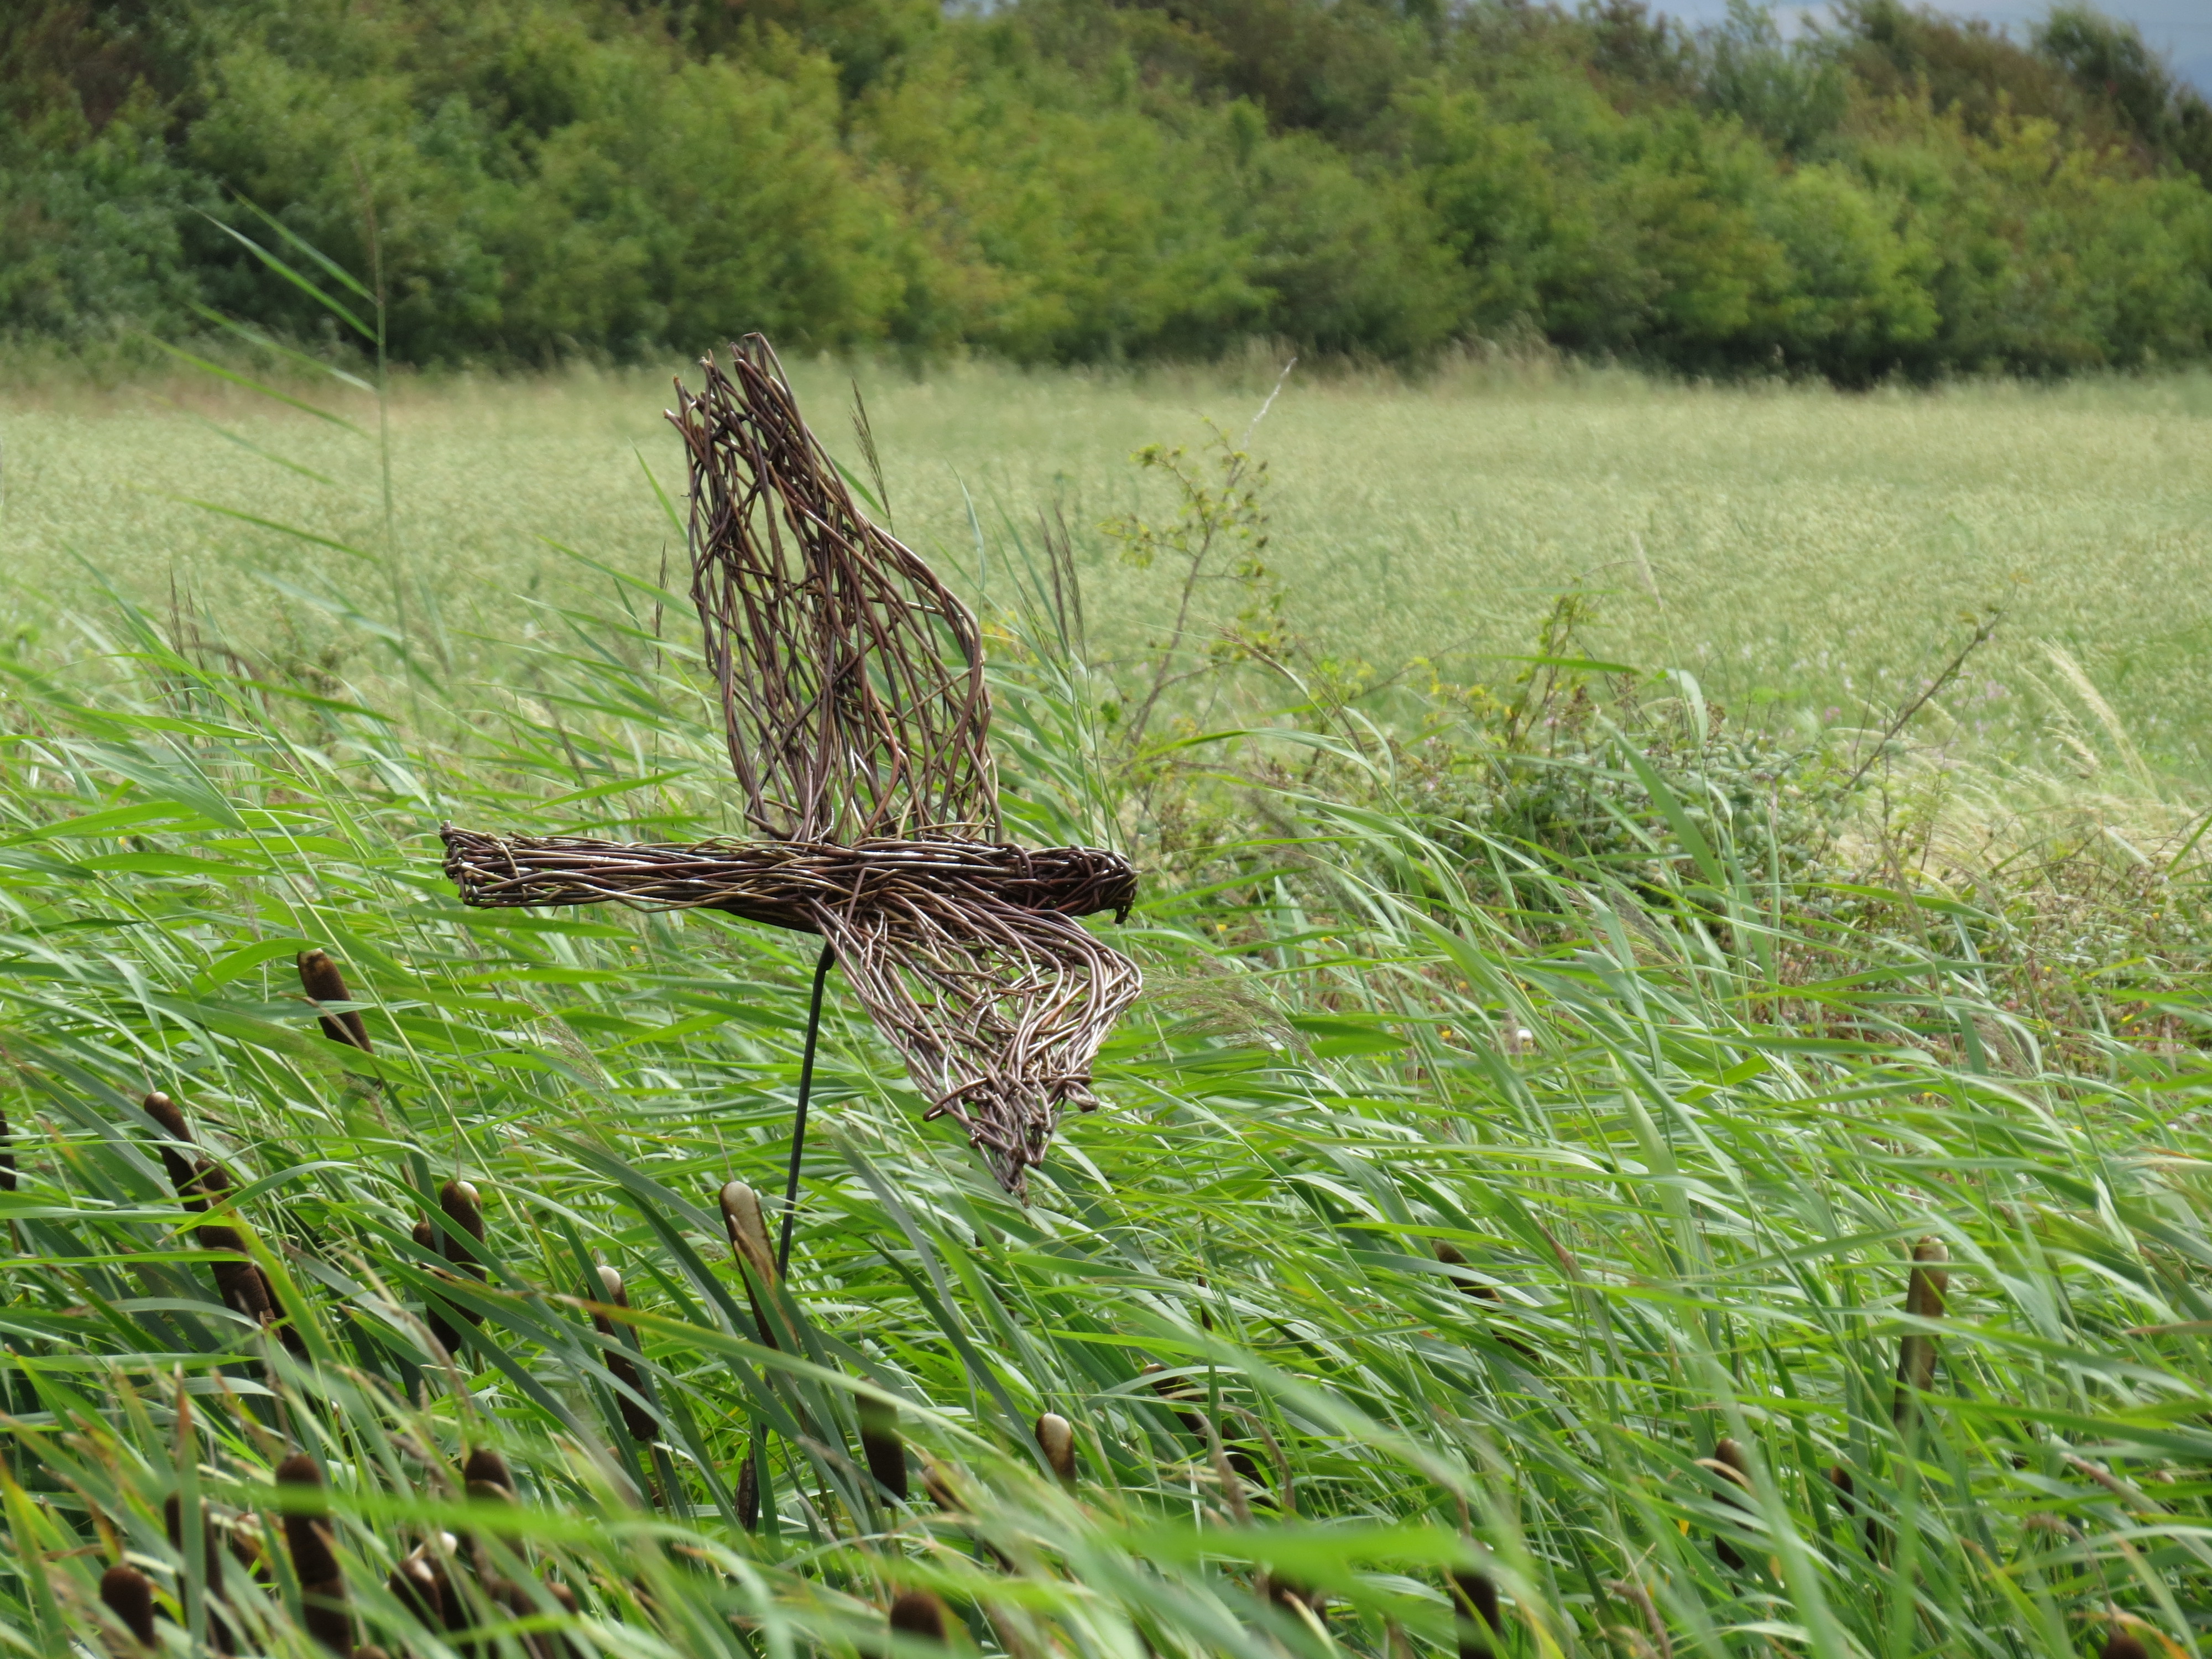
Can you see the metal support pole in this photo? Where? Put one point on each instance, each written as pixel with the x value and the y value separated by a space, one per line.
pixel 799 1123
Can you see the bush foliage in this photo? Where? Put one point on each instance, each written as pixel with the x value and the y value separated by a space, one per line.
pixel 1056 181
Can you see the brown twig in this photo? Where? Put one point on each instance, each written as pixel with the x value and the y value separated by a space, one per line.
pixel 1981 637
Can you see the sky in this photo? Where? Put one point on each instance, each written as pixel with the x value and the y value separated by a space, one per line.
pixel 2181 28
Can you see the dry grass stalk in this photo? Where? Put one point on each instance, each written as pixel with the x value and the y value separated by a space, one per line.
pixel 1055 1438
pixel 920 1615
pixel 862 751
pixel 1916 1353
pixel 638 1421
pixel 128 1594
pixel 200 1181
pixel 323 981
pixel 315 1563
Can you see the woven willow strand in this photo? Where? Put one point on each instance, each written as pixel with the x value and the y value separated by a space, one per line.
pixel 853 696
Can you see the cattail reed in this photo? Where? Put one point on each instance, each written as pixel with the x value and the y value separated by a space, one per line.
pixel 463 1209
pixel 937 1483
pixel 442 1331
pixel 883 1446
pixel 749 1492
pixel 419 1584
pixel 1729 1462
pixel 128 1594
pixel 638 1421
pixel 1451 1257
pixel 320 979
pixel 1847 1499
pixel 1055 1438
pixel 747 1226
pixel 1916 1353
pixel 1179 1394
pixel 1474 1598
pixel 7 1157
pixel 172 1523
pixel 200 1181
pixel 2121 1645
pixel 484 1475
pixel 315 1563
pixel 920 1615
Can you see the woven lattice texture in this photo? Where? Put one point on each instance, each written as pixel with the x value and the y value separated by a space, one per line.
pixel 853 695
pixel 852 678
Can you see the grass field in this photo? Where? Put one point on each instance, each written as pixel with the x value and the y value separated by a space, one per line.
pixel 1795 549
pixel 1523 1222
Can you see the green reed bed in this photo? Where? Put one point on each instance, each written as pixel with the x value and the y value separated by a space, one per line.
pixel 1460 1216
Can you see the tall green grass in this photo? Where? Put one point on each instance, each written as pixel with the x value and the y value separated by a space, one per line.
pixel 1468 1193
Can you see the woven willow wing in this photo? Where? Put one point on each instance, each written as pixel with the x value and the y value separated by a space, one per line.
pixel 851 688
pixel 852 678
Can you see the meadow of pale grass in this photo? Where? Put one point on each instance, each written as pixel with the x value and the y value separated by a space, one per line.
pixel 1808 555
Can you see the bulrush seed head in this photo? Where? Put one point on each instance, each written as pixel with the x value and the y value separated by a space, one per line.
pixel 883 1446
pixel 173 1524
pixel 747 1226
pixel 1475 1599
pixel 748 1492
pixel 181 1168
pixel 128 1594
pixel 484 1475
pixel 464 1207
pixel 1729 1462
pixel 315 1563
pixel 1924 1293
pixel 1055 1438
pixel 918 1614
pixel 748 1229
pixel 320 979
pixel 638 1421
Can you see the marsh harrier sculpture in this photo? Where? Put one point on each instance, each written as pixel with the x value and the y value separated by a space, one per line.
pixel 854 699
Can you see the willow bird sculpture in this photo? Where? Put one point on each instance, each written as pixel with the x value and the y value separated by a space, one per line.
pixel 853 694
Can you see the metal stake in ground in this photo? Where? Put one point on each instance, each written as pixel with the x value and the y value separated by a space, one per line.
pixel 857 720
pixel 799 1119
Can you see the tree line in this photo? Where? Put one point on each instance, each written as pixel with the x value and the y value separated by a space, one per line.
pixel 1892 194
